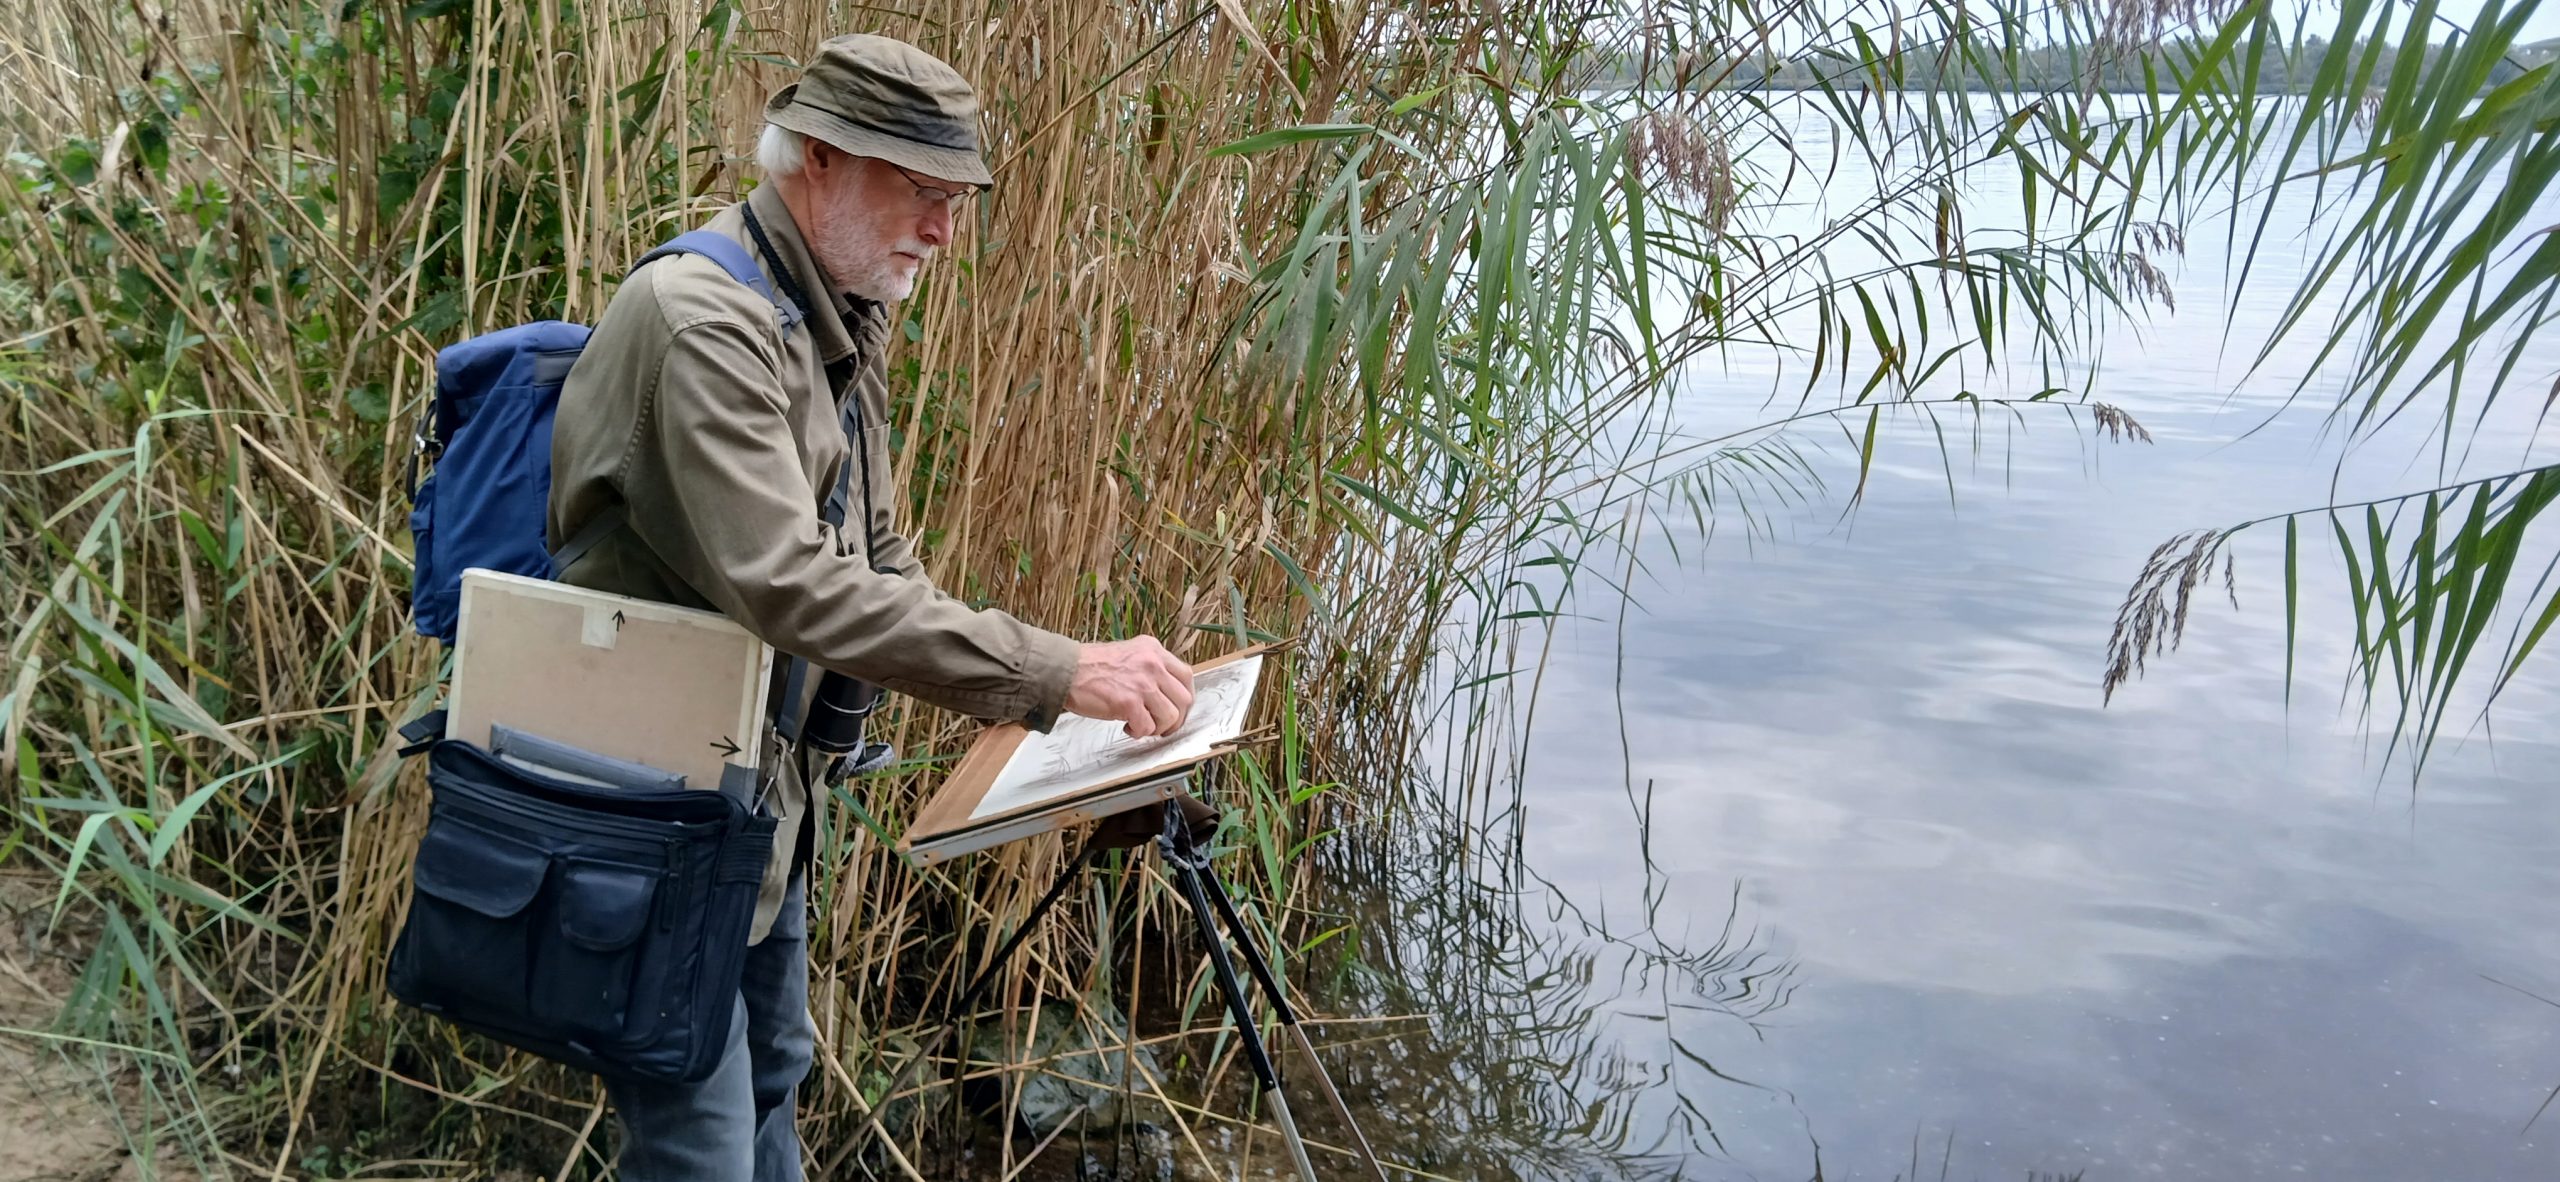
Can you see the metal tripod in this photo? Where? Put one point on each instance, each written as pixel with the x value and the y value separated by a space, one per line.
pixel 1209 904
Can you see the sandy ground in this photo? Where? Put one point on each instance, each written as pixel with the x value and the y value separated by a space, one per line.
pixel 55 1123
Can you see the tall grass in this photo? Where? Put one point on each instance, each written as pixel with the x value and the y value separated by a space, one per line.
pixel 1331 321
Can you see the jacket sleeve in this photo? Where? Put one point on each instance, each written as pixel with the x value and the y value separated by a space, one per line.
pixel 898 554
pixel 739 524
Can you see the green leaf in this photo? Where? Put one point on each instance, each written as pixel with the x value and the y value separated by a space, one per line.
pixel 78 858
pixel 2541 626
pixel 1371 494
pixel 184 704
pixel 151 145
pixel 1866 454
pixel 1406 104
pixel 86 457
pixel 370 402
pixel 1298 580
pixel 1285 136
pixel 172 826
pixel 2292 600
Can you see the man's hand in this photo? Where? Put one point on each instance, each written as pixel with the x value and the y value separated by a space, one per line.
pixel 1135 682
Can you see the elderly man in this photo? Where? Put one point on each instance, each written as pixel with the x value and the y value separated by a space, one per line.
pixel 697 443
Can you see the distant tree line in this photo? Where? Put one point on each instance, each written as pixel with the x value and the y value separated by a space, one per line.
pixel 2285 69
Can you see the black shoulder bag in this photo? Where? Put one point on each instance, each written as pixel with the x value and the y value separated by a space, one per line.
pixel 602 927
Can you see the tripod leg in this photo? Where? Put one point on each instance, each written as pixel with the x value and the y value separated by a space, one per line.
pixel 1269 981
pixel 1188 870
pixel 1289 1134
pixel 1324 1079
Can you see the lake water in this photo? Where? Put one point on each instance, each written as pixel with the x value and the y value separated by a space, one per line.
pixel 1907 894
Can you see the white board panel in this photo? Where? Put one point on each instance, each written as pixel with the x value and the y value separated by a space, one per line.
pixel 677 689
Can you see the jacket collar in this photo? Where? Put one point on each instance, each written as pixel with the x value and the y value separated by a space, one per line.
pixel 842 325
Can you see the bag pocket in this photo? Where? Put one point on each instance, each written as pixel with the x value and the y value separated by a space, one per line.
pixel 433 591
pixel 467 941
pixel 585 971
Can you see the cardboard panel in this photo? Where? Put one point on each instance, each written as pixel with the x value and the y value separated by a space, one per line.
pixel 670 687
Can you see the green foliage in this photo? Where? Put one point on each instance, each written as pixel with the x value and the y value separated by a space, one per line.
pixel 2423 292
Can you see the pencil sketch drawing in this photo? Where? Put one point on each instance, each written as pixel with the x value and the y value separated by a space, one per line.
pixel 1082 753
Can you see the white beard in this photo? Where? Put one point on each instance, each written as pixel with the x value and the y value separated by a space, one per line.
pixel 857 248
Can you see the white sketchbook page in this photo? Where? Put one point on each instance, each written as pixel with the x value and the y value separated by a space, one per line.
pixel 1081 753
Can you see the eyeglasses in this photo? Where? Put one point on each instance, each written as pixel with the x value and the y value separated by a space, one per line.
pixel 934 194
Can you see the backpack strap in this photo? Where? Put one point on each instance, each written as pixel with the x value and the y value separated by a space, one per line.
pixel 786 712
pixel 732 258
pixel 421 732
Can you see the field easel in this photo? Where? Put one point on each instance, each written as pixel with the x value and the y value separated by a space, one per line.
pixel 1209 904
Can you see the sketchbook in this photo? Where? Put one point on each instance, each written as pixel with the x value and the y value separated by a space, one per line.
pixel 1015 783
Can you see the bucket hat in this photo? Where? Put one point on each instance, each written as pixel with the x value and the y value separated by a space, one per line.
pixel 881 97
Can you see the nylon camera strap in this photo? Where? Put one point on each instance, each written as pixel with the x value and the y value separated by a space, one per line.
pixel 787 711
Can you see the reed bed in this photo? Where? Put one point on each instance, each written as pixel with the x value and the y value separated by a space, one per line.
pixel 1155 388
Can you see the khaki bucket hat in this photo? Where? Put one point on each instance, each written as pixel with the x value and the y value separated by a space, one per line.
pixel 879 96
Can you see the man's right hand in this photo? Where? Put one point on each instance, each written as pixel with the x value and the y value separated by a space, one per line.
pixel 1134 682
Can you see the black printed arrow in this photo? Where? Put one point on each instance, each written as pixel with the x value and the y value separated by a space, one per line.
pixel 725 747
pixel 617 619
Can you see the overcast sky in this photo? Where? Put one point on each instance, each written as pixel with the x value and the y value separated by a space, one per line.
pixel 2545 21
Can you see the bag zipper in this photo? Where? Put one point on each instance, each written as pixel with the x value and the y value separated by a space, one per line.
pixel 680 868
pixel 642 833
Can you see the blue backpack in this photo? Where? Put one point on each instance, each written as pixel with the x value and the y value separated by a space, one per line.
pixel 489 440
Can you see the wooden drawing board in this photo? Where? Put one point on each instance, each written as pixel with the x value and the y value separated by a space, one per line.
pixel 676 689
pixel 1012 784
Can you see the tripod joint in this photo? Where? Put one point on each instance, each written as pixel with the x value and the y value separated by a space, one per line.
pixel 1175 843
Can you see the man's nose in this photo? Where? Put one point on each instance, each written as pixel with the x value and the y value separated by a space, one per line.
pixel 935 226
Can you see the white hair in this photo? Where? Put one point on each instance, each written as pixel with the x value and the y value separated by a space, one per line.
pixel 780 151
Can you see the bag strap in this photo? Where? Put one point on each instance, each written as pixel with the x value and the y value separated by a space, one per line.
pixel 421 732
pixel 734 259
pixel 605 521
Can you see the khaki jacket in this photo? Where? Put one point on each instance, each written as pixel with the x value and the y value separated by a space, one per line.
pixel 716 432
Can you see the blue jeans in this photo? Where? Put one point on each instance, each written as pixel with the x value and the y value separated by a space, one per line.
pixel 739 1125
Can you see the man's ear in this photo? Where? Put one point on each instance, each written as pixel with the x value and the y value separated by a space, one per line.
pixel 821 158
